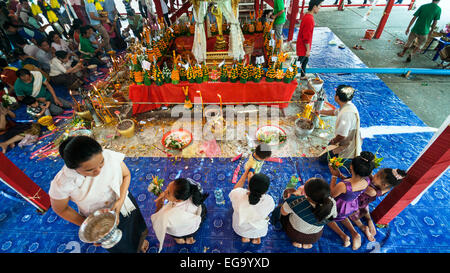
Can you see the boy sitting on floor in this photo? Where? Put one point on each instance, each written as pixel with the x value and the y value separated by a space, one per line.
pixel 256 160
pixel 35 108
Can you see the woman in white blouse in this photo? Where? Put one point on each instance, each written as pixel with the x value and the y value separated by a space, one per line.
pixel 63 74
pixel 95 179
pixel 183 213
pixel 251 207
pixel 58 44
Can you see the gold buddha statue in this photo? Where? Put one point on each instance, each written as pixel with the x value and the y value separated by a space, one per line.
pixel 221 44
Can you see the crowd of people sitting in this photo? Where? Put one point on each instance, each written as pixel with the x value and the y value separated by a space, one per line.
pixel 39 56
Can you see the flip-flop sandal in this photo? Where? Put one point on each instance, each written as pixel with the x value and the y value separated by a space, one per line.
pixel 361 48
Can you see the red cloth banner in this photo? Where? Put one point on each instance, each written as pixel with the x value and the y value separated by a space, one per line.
pixel 427 168
pixel 267 93
pixel 22 184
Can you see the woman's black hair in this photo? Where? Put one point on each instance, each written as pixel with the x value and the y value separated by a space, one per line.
pixel 40 41
pixel 51 35
pixel 79 149
pixel 184 190
pixel 319 191
pixel 390 178
pixel 258 185
pixel 22 72
pixel 263 151
pixel 84 29
pixel 61 54
pixel 363 164
pixel 345 92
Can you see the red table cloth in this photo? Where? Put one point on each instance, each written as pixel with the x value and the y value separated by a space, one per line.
pixel 267 93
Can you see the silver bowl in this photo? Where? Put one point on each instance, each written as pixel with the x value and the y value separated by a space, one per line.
pixel 101 227
pixel 302 133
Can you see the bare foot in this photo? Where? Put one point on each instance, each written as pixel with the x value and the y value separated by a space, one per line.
pixel 4 147
pixel 307 246
pixel 369 235
pixel 356 242
pixel 190 240
pixel 297 245
pixel 245 240
pixel 303 78
pixel 346 241
pixel 180 241
pixel 256 241
pixel 400 54
pixel 372 228
pixel 145 246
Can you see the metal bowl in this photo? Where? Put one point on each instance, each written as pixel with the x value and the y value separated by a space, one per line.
pixel 101 227
pixel 302 133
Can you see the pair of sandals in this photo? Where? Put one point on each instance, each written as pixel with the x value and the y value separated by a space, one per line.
pixel 358 47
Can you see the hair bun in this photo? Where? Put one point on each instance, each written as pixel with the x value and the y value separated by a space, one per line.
pixel 367 156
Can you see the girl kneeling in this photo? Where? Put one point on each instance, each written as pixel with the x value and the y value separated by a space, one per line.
pixel 251 207
pixel 182 215
pixel 306 211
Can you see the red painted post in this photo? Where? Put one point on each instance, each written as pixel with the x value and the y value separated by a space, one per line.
pixel 301 12
pixel 180 11
pixel 269 2
pixel 23 185
pixel 411 5
pixel 384 19
pixel 256 9
pixel 341 5
pixel 433 161
pixel 293 18
pixel 158 7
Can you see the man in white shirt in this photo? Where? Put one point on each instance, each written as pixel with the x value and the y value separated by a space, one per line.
pixel 44 55
pixel 347 134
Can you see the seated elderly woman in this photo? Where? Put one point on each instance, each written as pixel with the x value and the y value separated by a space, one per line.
pixel 62 73
pixel 95 179
pixel 10 132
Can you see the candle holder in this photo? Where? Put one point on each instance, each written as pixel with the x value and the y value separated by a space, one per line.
pixel 87 100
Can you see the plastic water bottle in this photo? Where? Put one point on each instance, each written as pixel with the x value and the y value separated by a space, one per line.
pixel 219 197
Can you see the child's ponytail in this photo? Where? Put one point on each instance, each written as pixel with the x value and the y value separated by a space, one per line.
pixel 258 185
pixel 319 192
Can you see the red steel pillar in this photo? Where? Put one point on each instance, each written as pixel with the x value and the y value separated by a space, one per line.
pixel 434 160
pixel 411 5
pixel 384 19
pixel 301 12
pixel 341 5
pixel 158 7
pixel 256 8
pixel 23 185
pixel 293 18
